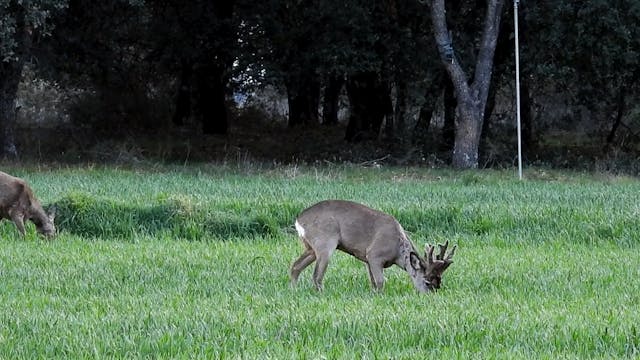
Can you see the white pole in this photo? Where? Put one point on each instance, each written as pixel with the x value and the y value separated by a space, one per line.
pixel 515 25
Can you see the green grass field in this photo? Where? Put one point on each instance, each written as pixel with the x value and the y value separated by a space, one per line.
pixel 173 262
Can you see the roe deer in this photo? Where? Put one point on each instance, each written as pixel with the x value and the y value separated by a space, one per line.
pixel 371 236
pixel 17 203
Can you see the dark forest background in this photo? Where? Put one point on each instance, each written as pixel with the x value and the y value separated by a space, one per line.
pixel 397 82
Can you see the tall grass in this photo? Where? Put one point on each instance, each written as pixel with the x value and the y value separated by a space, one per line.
pixel 193 262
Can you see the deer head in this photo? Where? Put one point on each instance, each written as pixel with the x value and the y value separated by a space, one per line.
pixel 45 224
pixel 426 272
pixel 48 227
pixel 436 266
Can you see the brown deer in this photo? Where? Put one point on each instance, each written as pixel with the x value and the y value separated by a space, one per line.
pixel 371 236
pixel 18 204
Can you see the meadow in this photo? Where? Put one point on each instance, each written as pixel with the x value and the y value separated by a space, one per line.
pixel 192 262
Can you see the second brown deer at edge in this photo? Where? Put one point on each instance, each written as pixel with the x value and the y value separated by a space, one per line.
pixel 19 204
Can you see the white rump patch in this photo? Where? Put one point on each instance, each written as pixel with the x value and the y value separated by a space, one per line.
pixel 300 229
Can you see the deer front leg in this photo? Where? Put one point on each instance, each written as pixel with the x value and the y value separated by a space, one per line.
pixel 376 275
pixel 375 264
pixel 18 219
pixel 303 261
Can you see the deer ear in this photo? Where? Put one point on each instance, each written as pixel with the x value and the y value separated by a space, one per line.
pixel 415 261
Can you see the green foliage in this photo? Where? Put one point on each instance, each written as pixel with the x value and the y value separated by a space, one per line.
pixel 126 59
pixel 288 38
pixel 589 47
pixel 17 17
pixel 97 45
pixel 167 216
pixel 121 62
pixel 228 203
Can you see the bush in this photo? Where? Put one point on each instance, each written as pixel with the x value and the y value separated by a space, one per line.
pixel 174 217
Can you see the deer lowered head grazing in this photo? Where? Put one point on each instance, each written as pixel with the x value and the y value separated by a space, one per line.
pixel 371 236
pixel 19 204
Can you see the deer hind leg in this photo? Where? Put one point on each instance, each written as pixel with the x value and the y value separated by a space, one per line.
pixel 307 257
pixel 323 253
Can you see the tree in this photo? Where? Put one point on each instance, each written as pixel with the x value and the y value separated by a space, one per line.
pixel 365 47
pixel 196 41
pixel 281 46
pixel 20 23
pixel 588 51
pixel 99 49
pixel 471 96
pixel 126 51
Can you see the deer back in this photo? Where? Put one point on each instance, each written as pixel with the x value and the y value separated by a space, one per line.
pixel 356 227
pixel 13 196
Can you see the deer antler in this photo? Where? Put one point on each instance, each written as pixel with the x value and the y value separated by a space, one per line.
pixel 428 250
pixel 441 254
pixel 443 250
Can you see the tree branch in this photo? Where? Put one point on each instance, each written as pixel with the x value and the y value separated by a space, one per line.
pixel 484 63
pixel 441 34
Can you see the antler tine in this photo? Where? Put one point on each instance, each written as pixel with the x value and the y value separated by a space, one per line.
pixel 429 252
pixel 453 251
pixel 443 250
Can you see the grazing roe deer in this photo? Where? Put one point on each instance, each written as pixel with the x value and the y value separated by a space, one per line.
pixel 371 236
pixel 18 204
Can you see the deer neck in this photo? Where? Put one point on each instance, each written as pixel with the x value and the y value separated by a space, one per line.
pixel 37 214
pixel 406 248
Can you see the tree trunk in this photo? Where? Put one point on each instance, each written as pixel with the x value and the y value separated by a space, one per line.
pixel 331 102
pixel 369 103
pixel 503 52
pixel 620 108
pixel 213 66
pixel 449 126
pixel 303 95
pixel 467 137
pixel 431 96
pixel 10 75
pixel 472 97
pixel 486 121
pixel 399 127
pixel 183 97
pixel 526 113
pixel 526 117
pixel 211 99
pixel 421 130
